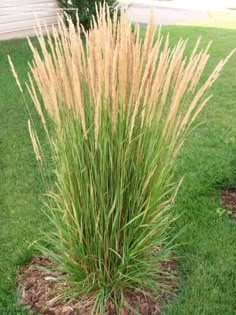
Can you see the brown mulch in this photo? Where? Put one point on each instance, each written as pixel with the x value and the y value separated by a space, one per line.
pixel 38 286
pixel 228 197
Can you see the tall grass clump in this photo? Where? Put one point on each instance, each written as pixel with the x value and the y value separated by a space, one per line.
pixel 119 109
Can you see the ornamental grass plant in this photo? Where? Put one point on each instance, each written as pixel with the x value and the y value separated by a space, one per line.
pixel 116 110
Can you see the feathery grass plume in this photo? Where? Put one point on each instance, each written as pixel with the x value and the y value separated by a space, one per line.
pixel 121 108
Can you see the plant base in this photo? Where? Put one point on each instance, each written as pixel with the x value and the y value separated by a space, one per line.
pixel 38 287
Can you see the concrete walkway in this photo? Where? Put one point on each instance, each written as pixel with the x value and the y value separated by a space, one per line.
pixel 140 13
pixel 175 11
pixel 199 5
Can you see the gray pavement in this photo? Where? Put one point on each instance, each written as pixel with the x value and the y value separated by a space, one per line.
pixel 201 5
pixel 140 13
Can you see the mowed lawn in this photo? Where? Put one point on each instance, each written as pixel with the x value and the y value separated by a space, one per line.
pixel 207 250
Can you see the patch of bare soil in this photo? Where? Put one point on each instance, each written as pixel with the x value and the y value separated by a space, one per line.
pixel 38 287
pixel 228 197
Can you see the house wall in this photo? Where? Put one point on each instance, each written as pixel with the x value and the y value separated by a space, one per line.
pixel 19 17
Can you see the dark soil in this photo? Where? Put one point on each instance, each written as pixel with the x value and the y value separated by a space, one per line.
pixel 228 197
pixel 39 286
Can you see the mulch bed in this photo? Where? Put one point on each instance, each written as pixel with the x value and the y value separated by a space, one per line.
pixel 38 286
pixel 228 197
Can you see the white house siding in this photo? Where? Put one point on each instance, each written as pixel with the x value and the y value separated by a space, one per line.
pixel 19 17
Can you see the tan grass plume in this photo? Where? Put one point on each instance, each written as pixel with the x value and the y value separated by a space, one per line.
pixel 144 80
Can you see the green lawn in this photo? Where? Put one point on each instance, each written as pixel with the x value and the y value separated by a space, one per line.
pixel 207 263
